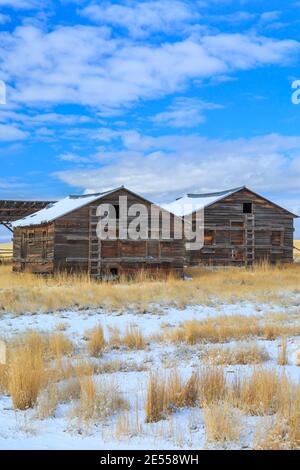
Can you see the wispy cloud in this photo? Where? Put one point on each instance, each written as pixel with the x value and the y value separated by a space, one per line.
pixel 4 18
pixel 167 166
pixel 184 112
pixel 232 18
pixel 143 18
pixel 23 4
pixel 11 133
pixel 84 65
pixel 73 158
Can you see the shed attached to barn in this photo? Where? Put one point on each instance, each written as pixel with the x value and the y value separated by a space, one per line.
pixel 241 227
pixel 63 237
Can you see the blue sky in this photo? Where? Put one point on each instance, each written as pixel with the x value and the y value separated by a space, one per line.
pixel 163 96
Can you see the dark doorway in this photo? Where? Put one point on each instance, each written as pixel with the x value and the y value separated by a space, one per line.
pixel 247 208
pixel 114 272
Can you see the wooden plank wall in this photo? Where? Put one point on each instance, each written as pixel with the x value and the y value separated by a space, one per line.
pixel 129 256
pixel 72 241
pixel 232 244
pixel 33 248
pixel 231 238
pixel 76 245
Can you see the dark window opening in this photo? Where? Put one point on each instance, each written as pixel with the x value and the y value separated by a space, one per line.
pixel 208 237
pixel 117 211
pixel 247 208
pixel 114 272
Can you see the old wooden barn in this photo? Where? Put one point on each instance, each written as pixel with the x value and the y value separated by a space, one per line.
pixel 62 237
pixel 241 227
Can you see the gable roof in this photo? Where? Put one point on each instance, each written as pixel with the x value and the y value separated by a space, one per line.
pixel 60 208
pixel 190 203
pixel 65 206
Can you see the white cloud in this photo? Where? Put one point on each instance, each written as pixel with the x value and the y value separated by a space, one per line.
pixel 143 18
pixel 184 112
pixel 84 65
pixel 22 4
pixel 36 119
pixel 268 16
pixel 232 18
pixel 4 18
pixel 244 52
pixel 166 167
pixel 10 133
pixel 73 158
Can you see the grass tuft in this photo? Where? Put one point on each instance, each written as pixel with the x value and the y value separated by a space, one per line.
pixel 96 342
pixel 25 377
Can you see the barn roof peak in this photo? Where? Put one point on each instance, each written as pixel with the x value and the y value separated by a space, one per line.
pixel 60 208
pixel 214 194
pixel 193 202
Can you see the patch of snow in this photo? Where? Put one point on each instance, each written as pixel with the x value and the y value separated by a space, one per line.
pixel 58 209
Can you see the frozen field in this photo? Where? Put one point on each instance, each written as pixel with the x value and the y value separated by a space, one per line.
pixel 128 369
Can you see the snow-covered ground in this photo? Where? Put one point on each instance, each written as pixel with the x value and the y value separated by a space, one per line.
pixel 183 429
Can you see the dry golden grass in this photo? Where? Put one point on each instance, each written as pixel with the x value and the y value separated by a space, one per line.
pixel 32 378
pixel 296 251
pixel 238 354
pixel 281 432
pixel 264 392
pixel 155 399
pixel 34 341
pixel 296 357
pixel 47 402
pixel 133 338
pixel 96 341
pixel 61 326
pixel 114 337
pixel 60 345
pixel 28 292
pixel 3 378
pixel 110 367
pixel 128 426
pixel 282 352
pixel 226 328
pixel 179 394
pixel 98 400
pixel 222 423
pixel 6 251
pixel 25 377
pixel 212 385
pixel 65 369
pixel 166 393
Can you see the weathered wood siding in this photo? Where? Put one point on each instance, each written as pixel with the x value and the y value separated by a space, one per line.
pixel 33 248
pixel 235 238
pixel 232 237
pixel 77 247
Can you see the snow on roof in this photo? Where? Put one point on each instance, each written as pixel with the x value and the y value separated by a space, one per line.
pixel 190 203
pixel 60 208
